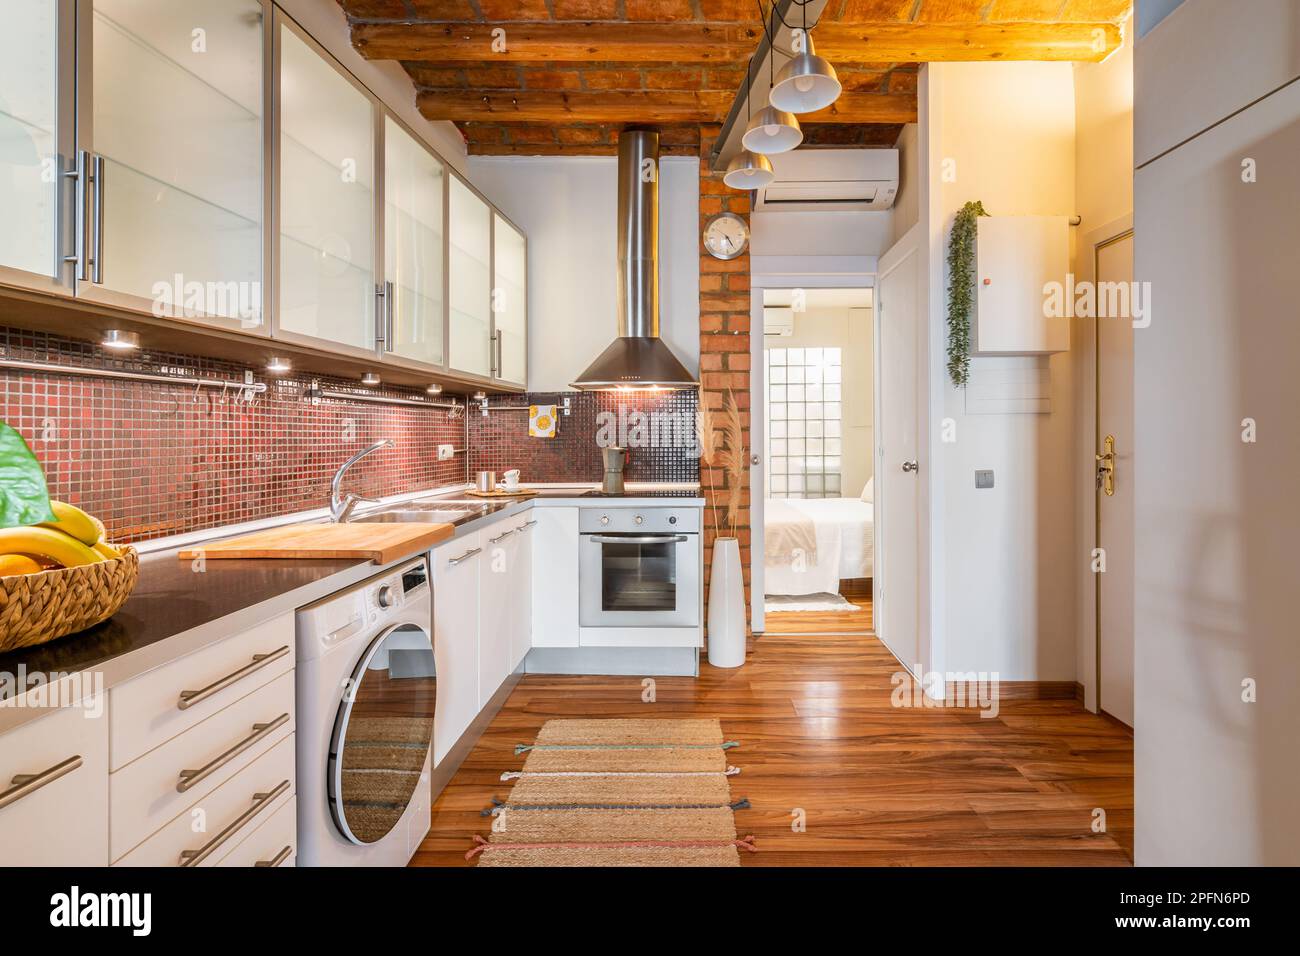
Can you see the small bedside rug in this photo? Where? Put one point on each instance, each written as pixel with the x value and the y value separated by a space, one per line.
pixel 618 793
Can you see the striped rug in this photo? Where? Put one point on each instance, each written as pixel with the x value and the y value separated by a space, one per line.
pixel 618 793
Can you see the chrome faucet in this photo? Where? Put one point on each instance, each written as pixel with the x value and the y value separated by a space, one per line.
pixel 341 505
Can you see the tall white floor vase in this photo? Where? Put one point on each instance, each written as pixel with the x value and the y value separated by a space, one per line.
pixel 726 606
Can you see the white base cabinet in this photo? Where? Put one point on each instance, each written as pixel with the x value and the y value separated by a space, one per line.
pixel 555 585
pixel 455 567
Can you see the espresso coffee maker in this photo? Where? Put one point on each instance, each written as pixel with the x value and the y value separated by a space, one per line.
pixel 615 461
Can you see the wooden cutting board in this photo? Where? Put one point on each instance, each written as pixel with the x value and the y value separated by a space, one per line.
pixel 380 543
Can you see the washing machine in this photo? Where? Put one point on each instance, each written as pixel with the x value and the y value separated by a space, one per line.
pixel 366 698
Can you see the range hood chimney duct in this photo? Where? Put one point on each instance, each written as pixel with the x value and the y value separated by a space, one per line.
pixel 637 359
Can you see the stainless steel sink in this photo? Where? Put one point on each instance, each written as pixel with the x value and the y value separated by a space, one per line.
pixel 434 511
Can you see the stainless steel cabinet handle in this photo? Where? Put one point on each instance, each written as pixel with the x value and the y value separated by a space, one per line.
pixel 911 466
pixel 260 803
pixel 277 859
pixel 97 221
pixel 468 554
pixel 498 371
pixel 188 698
pixel 526 525
pixel 502 536
pixel 28 783
pixel 190 777
pixel 79 173
pixel 638 538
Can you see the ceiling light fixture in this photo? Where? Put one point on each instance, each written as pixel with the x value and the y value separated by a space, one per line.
pixel 771 130
pixel 434 389
pixel 371 379
pixel 120 340
pixel 748 170
pixel 808 82
pixel 278 365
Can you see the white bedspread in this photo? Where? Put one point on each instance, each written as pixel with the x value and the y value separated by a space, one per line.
pixel 845 532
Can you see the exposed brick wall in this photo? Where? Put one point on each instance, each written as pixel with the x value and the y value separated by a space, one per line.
pixel 724 346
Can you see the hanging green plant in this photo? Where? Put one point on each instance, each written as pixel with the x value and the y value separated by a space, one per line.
pixel 961 289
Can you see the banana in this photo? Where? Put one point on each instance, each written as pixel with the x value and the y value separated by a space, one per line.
pixel 107 550
pixel 46 542
pixel 72 520
pixel 18 564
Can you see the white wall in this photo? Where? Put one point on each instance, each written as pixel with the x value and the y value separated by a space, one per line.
pixel 568 206
pixel 1216 520
pixel 821 233
pixel 1008 553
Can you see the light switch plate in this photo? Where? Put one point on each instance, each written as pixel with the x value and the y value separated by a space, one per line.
pixel 984 478
pixel 445 452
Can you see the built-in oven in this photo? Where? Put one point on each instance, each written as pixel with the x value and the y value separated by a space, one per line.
pixel 639 567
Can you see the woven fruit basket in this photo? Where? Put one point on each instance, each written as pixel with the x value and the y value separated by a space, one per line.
pixel 36 608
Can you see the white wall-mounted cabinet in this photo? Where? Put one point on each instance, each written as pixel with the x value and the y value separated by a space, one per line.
pixel 212 163
pixel 1016 260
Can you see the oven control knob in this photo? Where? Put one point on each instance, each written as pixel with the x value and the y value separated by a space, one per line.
pixel 638 519
pixel 385 596
pixel 673 519
pixel 604 519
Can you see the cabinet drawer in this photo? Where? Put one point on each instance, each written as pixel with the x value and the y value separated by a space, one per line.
pixel 144 795
pixel 63 822
pixel 274 843
pixel 157 706
pixel 223 817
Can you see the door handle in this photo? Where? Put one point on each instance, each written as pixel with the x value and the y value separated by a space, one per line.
pixel 97 221
pixel 79 173
pixel 1106 467
pixel 639 539
pixel 911 466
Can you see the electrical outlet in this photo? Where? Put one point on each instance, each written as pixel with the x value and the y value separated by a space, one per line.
pixel 445 452
pixel 984 478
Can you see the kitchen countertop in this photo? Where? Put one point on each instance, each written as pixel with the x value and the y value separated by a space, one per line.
pixel 175 610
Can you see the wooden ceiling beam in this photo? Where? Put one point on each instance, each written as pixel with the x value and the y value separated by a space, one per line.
pixel 696 42
pixel 659 106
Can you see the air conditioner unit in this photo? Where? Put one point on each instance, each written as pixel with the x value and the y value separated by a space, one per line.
pixel 778 321
pixel 835 180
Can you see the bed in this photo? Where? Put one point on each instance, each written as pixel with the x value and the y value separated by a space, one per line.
pixel 838 533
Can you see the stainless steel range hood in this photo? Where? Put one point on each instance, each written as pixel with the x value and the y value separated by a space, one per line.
pixel 637 359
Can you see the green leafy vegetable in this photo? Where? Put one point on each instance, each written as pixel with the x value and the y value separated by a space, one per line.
pixel 24 498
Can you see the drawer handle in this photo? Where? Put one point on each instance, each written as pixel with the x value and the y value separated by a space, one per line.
pixel 28 783
pixel 502 536
pixel 277 859
pixel 526 525
pixel 189 698
pixel 468 554
pixel 260 802
pixel 190 777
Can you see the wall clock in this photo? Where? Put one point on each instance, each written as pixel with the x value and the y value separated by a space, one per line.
pixel 726 236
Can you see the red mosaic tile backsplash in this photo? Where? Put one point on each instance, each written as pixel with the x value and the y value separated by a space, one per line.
pixel 664 451
pixel 152 459
pixel 155 459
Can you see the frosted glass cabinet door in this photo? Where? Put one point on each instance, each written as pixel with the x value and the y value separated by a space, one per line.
pixel 176 118
pixel 413 246
pixel 470 280
pixel 510 301
pixel 30 62
pixel 327 194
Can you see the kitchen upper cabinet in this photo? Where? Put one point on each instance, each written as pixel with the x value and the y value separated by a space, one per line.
pixel 510 301
pixel 171 114
pixel 35 142
pixel 414 300
pixel 326 243
pixel 470 281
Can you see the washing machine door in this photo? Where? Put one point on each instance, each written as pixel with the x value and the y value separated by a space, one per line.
pixel 382 734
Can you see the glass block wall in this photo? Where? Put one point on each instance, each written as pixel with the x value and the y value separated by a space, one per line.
pixel 803 413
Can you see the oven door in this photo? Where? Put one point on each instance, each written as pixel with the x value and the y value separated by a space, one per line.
pixel 639 580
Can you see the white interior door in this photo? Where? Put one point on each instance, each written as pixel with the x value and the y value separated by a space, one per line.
pixel 1115 511
pixel 896 589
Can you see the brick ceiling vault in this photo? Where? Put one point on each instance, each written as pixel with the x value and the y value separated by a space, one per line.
pixel 574 72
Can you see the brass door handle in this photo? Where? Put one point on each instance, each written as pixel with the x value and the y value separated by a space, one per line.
pixel 1106 467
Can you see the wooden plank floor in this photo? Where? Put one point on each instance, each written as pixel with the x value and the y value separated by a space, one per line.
pixel 877 784
pixel 861 621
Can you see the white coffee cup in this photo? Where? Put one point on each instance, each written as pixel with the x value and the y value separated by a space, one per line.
pixel 511 479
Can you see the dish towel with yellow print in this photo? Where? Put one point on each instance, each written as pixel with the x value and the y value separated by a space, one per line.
pixel 541 421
